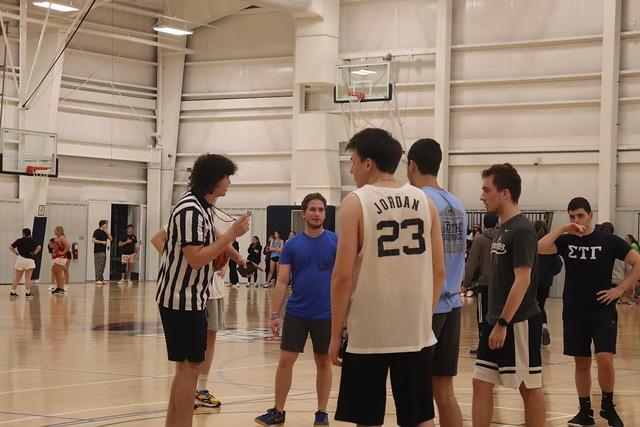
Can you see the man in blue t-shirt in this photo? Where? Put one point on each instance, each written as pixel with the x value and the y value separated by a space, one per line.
pixel 424 159
pixel 308 259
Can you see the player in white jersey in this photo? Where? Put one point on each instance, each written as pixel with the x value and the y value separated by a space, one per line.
pixel 388 275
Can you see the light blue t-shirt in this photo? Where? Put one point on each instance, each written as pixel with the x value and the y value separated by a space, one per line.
pixel 453 220
pixel 311 260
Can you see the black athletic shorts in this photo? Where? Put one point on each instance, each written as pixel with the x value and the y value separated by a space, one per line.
pixel 363 388
pixel 446 327
pixel 295 332
pixel 185 333
pixel 518 361
pixel 582 326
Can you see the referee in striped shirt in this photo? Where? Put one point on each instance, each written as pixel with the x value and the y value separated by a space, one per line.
pixel 186 271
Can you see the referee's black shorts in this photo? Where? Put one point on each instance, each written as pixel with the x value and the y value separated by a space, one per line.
pixel 185 333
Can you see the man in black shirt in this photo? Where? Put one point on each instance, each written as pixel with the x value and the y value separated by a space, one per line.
pixel 101 238
pixel 25 250
pixel 128 245
pixel 509 348
pixel 588 313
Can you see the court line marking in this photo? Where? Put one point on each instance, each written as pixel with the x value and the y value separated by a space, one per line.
pixel 58 387
pixel 123 380
pixel 243 399
pixel 10 371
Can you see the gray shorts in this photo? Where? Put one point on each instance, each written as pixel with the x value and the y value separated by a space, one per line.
pixel 446 327
pixel 295 332
pixel 215 314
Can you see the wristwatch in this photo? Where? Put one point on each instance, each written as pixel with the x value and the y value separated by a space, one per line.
pixel 503 322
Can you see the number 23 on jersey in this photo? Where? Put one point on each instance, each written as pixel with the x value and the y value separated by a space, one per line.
pixel 387 240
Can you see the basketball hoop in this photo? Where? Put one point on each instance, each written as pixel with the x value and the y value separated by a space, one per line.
pixel 359 96
pixel 40 172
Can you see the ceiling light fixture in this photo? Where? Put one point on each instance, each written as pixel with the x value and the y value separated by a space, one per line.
pixel 58 7
pixel 363 72
pixel 172 30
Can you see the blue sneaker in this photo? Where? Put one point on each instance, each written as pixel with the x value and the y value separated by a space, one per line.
pixel 322 419
pixel 273 417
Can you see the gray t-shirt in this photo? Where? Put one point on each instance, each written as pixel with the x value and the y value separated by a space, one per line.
pixel 516 245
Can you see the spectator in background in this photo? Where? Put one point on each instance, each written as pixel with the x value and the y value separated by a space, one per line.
pixel 101 238
pixel 620 269
pixel 636 247
pixel 479 265
pixel 276 248
pixel 255 251
pixel 548 266
pixel 128 245
pixel 267 257
pixel 233 267
pixel 59 248
pixel 632 242
pixel 474 232
pixel 25 250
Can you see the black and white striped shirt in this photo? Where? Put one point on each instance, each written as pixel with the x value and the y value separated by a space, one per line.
pixel 180 287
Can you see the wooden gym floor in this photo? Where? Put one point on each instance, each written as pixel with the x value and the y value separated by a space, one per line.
pixel 96 357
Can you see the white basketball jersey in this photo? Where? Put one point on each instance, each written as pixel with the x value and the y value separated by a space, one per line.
pixel 391 305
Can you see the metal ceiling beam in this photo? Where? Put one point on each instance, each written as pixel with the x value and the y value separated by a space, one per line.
pixel 101 33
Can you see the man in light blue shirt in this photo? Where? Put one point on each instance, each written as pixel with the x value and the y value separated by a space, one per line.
pixel 424 158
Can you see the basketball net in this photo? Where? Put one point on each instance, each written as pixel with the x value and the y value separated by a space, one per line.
pixel 35 192
pixel 387 116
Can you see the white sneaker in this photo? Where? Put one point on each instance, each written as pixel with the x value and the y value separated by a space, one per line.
pixel 121 282
pixel 129 282
pixel 99 282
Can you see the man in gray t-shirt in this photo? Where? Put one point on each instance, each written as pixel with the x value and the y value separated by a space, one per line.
pixel 515 245
pixel 509 348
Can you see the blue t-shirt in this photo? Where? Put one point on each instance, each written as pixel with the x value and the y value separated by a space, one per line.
pixel 453 220
pixel 275 245
pixel 311 260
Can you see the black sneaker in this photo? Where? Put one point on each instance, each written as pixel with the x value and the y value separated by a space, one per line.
pixel 273 417
pixel 57 291
pixel 584 418
pixel 28 295
pixel 13 295
pixel 612 417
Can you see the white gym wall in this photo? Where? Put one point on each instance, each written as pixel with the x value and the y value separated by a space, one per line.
pixel 526 83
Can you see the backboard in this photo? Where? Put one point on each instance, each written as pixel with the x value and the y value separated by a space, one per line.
pixel 363 82
pixel 24 150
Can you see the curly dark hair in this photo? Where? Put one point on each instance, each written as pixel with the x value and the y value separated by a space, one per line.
pixel 207 171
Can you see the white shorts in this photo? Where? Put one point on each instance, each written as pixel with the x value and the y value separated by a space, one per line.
pixel 215 314
pixel 60 261
pixel 23 263
pixel 127 259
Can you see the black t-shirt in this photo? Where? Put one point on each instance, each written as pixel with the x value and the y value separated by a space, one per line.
pixel 516 245
pixel 129 248
pixel 25 247
pixel 255 253
pixel 101 235
pixel 588 263
pixel 548 267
